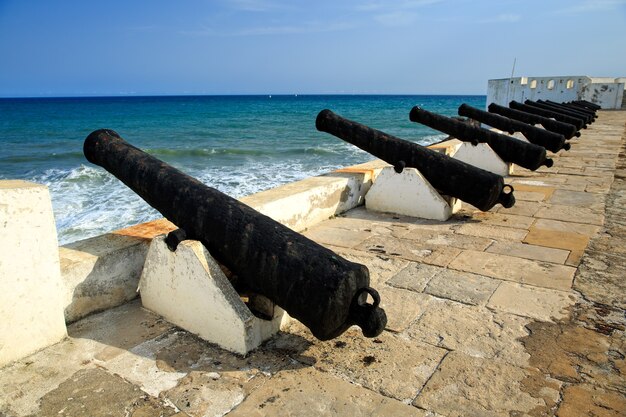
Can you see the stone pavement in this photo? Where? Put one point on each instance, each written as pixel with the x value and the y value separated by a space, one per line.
pixel 513 312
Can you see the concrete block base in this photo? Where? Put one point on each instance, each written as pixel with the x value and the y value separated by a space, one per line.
pixel 482 156
pixel 409 194
pixel 31 290
pixel 188 288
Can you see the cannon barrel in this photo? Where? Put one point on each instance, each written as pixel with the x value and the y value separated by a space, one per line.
pixel 577 110
pixel 509 149
pixel 480 188
pixel 313 284
pixel 544 105
pixel 549 140
pixel 547 113
pixel 579 106
pixel 566 129
pixel 588 104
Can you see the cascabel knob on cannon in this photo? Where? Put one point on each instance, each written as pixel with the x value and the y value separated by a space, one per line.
pixel 509 149
pixel 324 291
pixel 480 188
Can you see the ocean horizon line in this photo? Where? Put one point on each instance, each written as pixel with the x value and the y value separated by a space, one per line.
pixel 241 95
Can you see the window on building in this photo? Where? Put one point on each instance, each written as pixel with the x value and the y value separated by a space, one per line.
pixel 570 84
pixel 523 80
pixel 550 84
pixel 533 84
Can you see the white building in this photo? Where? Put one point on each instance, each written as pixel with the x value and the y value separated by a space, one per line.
pixel 605 92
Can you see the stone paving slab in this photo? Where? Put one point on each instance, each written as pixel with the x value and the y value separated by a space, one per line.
pixel 527 251
pixel 538 303
pixel 473 331
pixel 310 393
pixel 510 268
pixel 462 287
pixel 468 386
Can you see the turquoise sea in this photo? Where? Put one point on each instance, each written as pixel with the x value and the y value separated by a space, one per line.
pixel 237 144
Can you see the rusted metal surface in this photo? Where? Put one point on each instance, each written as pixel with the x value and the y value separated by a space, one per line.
pixel 512 150
pixel 543 105
pixel 589 113
pixel 588 104
pixel 566 129
pixel 579 106
pixel 553 142
pixel 313 284
pixel 480 188
pixel 547 113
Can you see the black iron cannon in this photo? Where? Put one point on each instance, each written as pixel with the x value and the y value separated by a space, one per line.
pixel 547 113
pixel 509 149
pixel 579 106
pixel 569 107
pixel 553 142
pixel 543 105
pixel 313 284
pixel 588 104
pixel 480 188
pixel 566 129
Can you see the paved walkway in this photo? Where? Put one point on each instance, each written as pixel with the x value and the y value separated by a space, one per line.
pixel 517 312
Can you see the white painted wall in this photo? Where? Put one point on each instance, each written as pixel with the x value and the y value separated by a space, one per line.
pixel 606 92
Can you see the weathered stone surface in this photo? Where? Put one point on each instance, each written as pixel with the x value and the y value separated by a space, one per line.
pixel 600 278
pixel 414 276
pixel 578 199
pixel 504 219
pixel 469 386
pixel 381 267
pixel 464 287
pixel 430 237
pixel 571 214
pixel 391 365
pixel 571 227
pixel 523 207
pixel 210 394
pixel 310 393
pixel 526 251
pixel 473 331
pixel 538 303
pixel 94 392
pixel 541 274
pixel 493 232
pixel 403 307
pixel 556 239
pixel 524 188
pixel 410 250
pixel 337 236
pixel 588 400
pixel 119 329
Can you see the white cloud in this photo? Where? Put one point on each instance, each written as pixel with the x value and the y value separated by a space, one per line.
pixel 396 18
pixel 394 6
pixel 588 6
pixel 502 18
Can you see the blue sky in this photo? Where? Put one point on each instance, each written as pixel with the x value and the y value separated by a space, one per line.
pixel 60 48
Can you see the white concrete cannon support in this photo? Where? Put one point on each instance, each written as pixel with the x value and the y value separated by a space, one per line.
pixel 188 288
pixel 31 291
pixel 409 194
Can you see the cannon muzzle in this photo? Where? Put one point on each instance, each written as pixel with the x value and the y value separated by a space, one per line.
pixel 565 129
pixel 480 188
pixel 549 140
pixel 322 290
pixel 509 149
